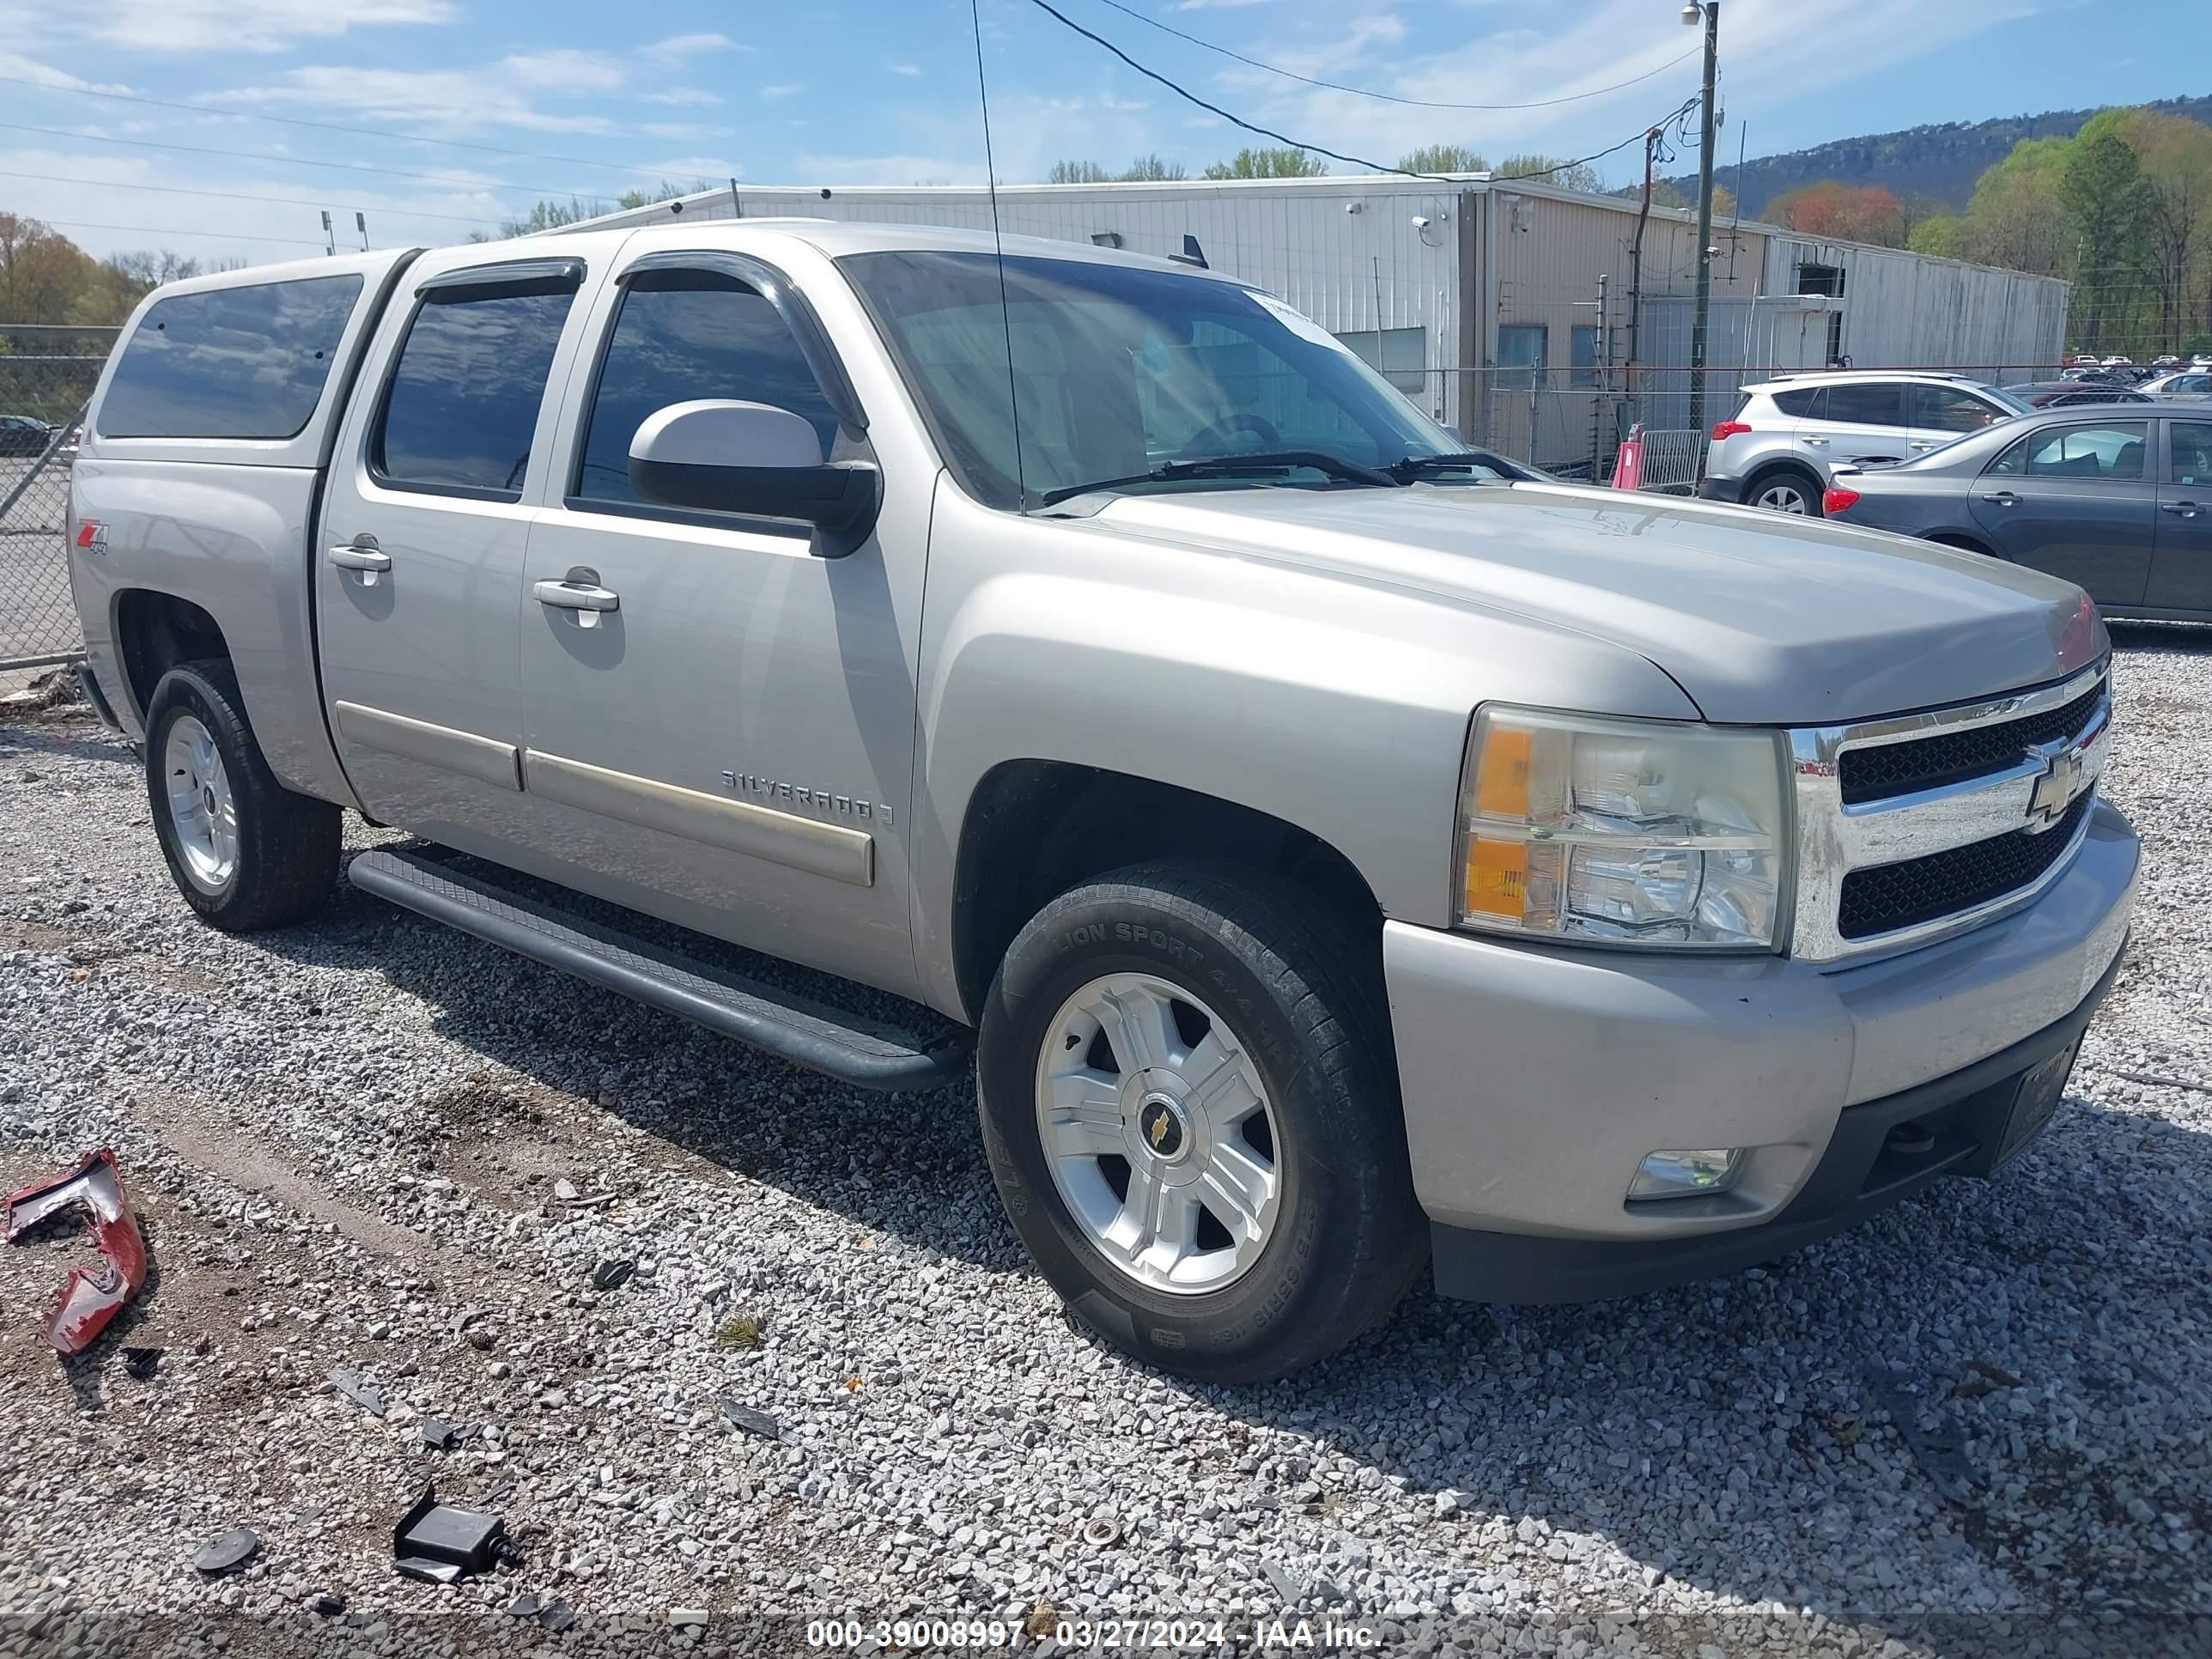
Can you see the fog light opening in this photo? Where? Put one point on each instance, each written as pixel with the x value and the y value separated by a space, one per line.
pixel 1693 1172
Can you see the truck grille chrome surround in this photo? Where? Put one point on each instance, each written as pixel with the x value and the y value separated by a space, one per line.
pixel 1947 818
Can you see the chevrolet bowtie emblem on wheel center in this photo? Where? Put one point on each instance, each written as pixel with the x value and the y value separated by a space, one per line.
pixel 1160 1121
pixel 2055 790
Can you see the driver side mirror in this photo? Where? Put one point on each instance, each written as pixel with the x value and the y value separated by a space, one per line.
pixel 720 455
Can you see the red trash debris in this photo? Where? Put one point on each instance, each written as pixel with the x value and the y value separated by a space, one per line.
pixel 89 1298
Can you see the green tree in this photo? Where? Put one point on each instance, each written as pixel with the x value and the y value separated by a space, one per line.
pixel 1443 158
pixel 1269 162
pixel 2176 156
pixel 1554 170
pixel 2102 188
pixel 1942 234
pixel 2013 218
pixel 1076 173
pixel 1147 169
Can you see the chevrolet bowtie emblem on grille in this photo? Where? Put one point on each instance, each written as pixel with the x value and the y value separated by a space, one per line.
pixel 2055 790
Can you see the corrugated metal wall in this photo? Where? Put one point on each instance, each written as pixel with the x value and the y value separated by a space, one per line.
pixel 1905 310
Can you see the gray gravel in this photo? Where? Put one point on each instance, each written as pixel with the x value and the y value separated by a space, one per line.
pixel 830 1388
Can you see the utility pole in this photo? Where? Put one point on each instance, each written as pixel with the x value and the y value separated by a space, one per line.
pixel 1708 12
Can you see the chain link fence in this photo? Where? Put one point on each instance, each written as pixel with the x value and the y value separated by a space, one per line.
pixel 47 377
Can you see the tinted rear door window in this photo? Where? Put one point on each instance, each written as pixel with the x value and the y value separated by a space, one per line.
pixel 1806 403
pixel 229 362
pixel 1867 406
pixel 462 406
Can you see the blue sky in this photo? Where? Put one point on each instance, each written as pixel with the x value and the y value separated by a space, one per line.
pixel 874 91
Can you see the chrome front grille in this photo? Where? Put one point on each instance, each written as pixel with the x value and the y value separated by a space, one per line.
pixel 1916 826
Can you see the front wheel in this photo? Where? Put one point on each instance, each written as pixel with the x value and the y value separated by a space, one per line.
pixel 246 852
pixel 1190 1111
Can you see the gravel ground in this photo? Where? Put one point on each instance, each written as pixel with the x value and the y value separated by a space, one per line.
pixel 376 1144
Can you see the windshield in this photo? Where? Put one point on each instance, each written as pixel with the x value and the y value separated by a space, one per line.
pixel 1119 370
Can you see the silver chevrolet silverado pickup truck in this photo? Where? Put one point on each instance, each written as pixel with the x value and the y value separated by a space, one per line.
pixel 1348 851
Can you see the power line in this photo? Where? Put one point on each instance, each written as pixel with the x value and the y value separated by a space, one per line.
pixel 175 230
pixel 332 126
pixel 1391 97
pixel 1338 155
pixel 449 179
pixel 243 196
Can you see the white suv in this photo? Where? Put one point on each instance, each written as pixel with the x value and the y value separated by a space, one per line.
pixel 1777 449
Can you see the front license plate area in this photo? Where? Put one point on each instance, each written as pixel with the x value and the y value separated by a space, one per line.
pixel 2034 1102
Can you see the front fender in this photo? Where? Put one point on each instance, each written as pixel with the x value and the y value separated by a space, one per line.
pixel 1335 704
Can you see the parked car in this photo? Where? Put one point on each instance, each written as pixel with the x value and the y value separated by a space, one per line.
pixel 24 434
pixel 2188 383
pixel 2120 503
pixel 2167 361
pixel 2063 394
pixel 1776 450
pixel 1343 854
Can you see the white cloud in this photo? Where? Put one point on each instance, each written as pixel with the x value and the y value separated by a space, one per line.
pixel 184 26
pixel 683 129
pixel 790 90
pixel 906 68
pixel 45 75
pixel 682 96
pixel 447 101
pixel 679 48
pixel 565 69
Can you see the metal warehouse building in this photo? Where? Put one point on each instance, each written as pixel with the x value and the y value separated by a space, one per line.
pixel 1536 320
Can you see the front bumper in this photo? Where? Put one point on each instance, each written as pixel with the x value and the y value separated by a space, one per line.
pixel 1536 1079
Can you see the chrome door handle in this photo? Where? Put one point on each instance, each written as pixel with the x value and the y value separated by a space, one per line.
pixel 2179 509
pixel 2003 498
pixel 1817 443
pixel 1923 443
pixel 363 556
pixel 580 593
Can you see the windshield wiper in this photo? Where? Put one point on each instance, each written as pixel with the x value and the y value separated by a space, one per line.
pixel 1421 466
pixel 1230 466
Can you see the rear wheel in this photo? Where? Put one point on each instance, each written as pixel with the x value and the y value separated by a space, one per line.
pixel 1191 1115
pixel 1784 490
pixel 246 852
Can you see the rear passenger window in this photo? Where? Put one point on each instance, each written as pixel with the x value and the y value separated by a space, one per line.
pixel 683 335
pixel 1805 403
pixel 462 406
pixel 229 362
pixel 1880 405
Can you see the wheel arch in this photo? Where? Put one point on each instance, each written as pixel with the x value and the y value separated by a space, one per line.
pixel 154 631
pixel 1789 467
pixel 1036 828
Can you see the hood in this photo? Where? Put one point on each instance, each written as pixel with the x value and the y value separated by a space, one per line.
pixel 1761 618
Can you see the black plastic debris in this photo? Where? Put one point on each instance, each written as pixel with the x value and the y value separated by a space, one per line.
pixel 141 1364
pixel 437 1543
pixel 612 1275
pixel 752 1422
pixel 362 1393
pixel 523 1606
pixel 328 1606
pixel 438 1434
pixel 556 1615
pixel 225 1552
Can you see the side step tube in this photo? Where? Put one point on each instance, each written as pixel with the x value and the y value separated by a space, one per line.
pixel 793 1028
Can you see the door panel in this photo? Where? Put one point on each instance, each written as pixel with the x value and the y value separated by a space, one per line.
pixel 730 747
pixel 2181 565
pixel 2076 501
pixel 1858 423
pixel 418 568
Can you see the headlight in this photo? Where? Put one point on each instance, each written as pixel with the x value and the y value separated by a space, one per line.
pixel 1634 832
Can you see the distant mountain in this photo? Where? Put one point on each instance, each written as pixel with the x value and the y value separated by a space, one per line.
pixel 1938 163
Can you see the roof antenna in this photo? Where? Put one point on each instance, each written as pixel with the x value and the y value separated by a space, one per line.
pixel 999 242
